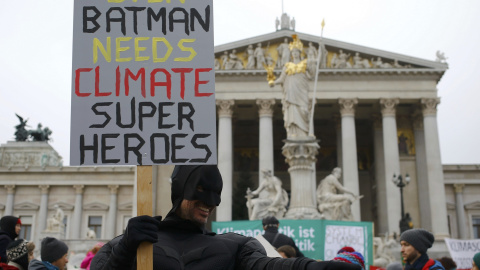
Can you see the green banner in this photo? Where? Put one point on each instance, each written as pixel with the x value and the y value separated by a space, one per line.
pixel 317 239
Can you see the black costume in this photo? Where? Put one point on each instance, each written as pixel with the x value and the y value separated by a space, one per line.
pixel 7 234
pixel 183 244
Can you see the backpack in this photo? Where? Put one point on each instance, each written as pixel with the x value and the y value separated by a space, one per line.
pixel 433 265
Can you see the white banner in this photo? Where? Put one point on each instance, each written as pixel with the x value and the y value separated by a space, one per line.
pixel 462 251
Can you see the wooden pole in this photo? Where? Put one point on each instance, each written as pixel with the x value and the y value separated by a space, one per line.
pixel 144 207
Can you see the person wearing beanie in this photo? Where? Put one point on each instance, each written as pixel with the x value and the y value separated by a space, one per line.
pixel 415 243
pixel 276 239
pixel 476 262
pixel 54 255
pixel 17 254
pixel 349 255
pixel 9 229
pixel 181 241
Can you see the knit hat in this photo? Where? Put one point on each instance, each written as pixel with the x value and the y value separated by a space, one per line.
pixel 476 259
pixel 351 257
pixel 16 249
pixel 346 249
pixel 420 239
pixel 271 220
pixel 52 249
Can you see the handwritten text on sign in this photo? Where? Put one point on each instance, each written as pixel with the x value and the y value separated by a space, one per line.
pixel 143 83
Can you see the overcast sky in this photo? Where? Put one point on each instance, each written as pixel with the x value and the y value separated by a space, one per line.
pixel 36 53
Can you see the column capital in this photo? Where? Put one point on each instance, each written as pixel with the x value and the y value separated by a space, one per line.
pixel 10 189
pixel 225 107
pixel 78 189
pixel 44 189
pixel 265 107
pixel 458 188
pixel 347 106
pixel 388 106
pixel 429 106
pixel 113 189
pixel 377 121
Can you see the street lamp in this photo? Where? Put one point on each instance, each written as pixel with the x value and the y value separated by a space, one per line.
pixel 400 183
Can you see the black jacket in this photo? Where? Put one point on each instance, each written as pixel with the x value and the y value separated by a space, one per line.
pixel 277 240
pixel 183 245
pixel 5 239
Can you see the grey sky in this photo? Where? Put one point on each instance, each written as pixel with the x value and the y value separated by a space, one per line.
pixel 36 48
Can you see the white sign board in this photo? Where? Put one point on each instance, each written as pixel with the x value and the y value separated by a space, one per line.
pixel 143 83
pixel 337 237
pixel 462 251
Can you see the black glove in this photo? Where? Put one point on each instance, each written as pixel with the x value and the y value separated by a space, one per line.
pixel 333 265
pixel 140 229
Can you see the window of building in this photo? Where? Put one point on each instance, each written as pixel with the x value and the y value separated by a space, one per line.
pixel 65 219
pixel 95 224
pixel 26 228
pixel 476 227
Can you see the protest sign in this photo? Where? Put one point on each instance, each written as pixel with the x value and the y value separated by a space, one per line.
pixel 462 251
pixel 143 83
pixel 316 239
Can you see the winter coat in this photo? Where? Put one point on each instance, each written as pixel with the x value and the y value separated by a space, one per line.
pixel 183 245
pixel 39 265
pixel 5 239
pixel 424 263
pixel 87 261
pixel 277 240
pixel 7 235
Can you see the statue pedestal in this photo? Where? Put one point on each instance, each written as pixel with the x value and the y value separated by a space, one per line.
pixel 60 235
pixel 300 155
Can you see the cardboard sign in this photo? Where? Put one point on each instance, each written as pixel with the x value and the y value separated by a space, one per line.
pixel 316 239
pixel 462 251
pixel 143 83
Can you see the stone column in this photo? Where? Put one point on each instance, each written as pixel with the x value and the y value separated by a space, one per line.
pixel 422 177
pixel 300 155
pixel 111 228
pixel 392 163
pixel 338 129
pixel 225 157
pixel 460 211
pixel 349 152
pixel 265 112
pixel 10 200
pixel 77 212
pixel 380 180
pixel 43 211
pixel 434 168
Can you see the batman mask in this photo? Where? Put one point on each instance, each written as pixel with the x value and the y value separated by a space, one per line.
pixel 196 182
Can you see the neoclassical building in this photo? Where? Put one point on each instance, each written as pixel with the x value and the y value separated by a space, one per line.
pixel 374 117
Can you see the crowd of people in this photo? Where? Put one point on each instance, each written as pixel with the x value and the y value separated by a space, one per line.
pixel 181 241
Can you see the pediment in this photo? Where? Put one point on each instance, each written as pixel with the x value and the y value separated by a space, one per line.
pixel 63 205
pixel 26 206
pixel 370 59
pixel 95 206
pixel 473 205
pixel 125 207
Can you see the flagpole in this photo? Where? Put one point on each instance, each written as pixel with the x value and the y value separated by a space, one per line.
pixel 320 52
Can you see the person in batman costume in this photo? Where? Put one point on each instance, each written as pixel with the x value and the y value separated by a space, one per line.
pixel 180 241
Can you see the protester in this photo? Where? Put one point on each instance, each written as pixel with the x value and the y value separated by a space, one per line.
pixel 287 251
pixel 18 253
pixel 276 239
pixel 447 263
pixel 181 240
pixel 90 254
pixel 476 262
pixel 54 255
pixel 9 229
pixel 349 255
pixel 415 243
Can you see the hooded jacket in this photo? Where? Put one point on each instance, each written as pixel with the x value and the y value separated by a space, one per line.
pixel 7 234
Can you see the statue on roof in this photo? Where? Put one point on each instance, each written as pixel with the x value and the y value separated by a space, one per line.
pixel 441 57
pixel 233 61
pixel 283 53
pixel 359 62
pixel 259 56
pixel 21 133
pixel 39 134
pixel 250 53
